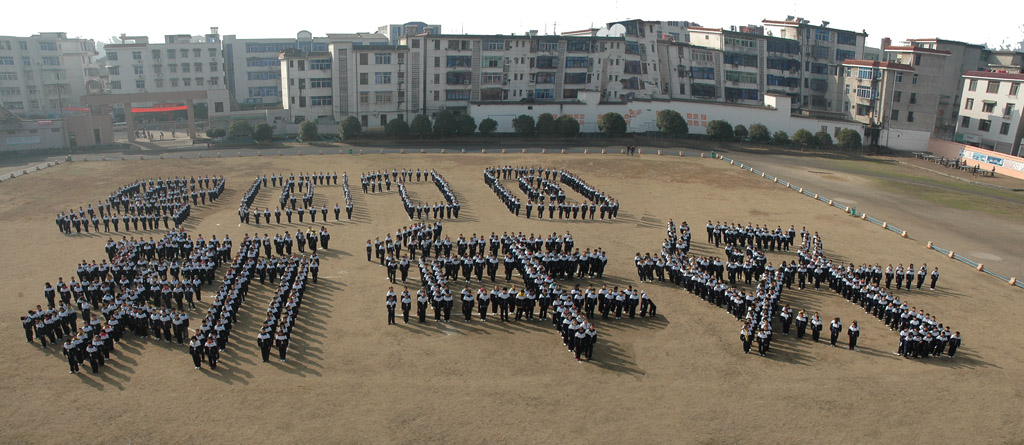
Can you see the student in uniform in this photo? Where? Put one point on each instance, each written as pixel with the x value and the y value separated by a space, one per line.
pixel 853 333
pixel 195 350
pixel 835 328
pixel 787 317
pixel 406 305
pixel 212 351
pixel 746 339
pixel 935 277
pixel 391 302
pixel 954 344
pixel 69 353
pixel 282 344
pixel 264 342
pixel 421 305
pixel 816 326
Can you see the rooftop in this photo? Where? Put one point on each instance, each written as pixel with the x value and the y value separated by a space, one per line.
pixel 917 50
pixel 993 75
pixel 877 64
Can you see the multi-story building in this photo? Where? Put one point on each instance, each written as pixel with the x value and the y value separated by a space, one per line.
pixel 962 57
pixel 182 63
pixel 43 73
pixel 991 113
pixel 1008 61
pixel 691 72
pixel 253 71
pixel 396 32
pixel 754 64
pixel 930 71
pixel 822 52
pixel 880 96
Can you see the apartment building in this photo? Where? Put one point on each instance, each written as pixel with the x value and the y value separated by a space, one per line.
pixel 822 52
pixel 182 63
pixel 880 96
pixel 253 71
pixel 930 70
pixel 991 113
pixel 691 72
pixel 754 64
pixel 45 72
pixel 396 32
pixel 962 57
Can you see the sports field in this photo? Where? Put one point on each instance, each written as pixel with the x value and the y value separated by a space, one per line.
pixel 679 378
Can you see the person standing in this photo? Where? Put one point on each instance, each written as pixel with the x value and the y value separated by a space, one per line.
pixel 746 338
pixel 801 324
pixel 264 342
pixel 421 305
pixel 69 352
pixel 195 350
pixel 935 277
pixel 787 318
pixel 853 333
pixel 954 344
pixel 816 326
pixel 282 344
pixel 836 327
pixel 391 302
pixel 406 305
pixel 212 351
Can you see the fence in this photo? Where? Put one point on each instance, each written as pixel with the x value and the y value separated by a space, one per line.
pixel 852 211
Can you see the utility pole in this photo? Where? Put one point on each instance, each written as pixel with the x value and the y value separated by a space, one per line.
pixel 63 125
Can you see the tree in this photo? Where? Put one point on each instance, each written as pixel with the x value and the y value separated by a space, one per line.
pixel 672 123
pixel 421 126
pixel 822 139
pixel 216 132
pixel 849 139
pixel 308 131
pixel 262 132
pixel 740 131
pixel 524 125
pixel 803 137
pixel 487 126
pixel 350 128
pixel 465 125
pixel 546 124
pixel 396 128
pixel 240 129
pixel 780 138
pixel 444 124
pixel 759 133
pixel 720 130
pixel 612 124
pixel 567 126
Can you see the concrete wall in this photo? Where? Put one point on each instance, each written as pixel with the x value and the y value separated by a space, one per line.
pixel 31 135
pixel 1004 164
pixel 83 127
pixel 905 140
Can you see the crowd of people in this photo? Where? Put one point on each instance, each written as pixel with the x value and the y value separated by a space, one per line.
pixel 284 307
pixel 539 185
pixel 381 181
pixel 145 202
pixel 289 199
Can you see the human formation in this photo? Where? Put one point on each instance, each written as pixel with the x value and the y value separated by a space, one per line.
pixel 144 203
pixel 382 180
pixel 540 184
pixel 296 199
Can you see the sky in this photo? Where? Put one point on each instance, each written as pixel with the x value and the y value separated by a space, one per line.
pixel 900 19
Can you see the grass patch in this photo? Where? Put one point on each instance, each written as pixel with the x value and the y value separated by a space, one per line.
pixel 896 171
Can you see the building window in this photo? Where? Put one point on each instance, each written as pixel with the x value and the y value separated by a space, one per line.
pixel 321 100
pixel 156 54
pixel 702 73
pixel 136 55
pixel 199 81
pixel 111 56
pixel 457 94
pixel 972 85
pixel 213 67
pixel 172 68
pixel 140 84
pixel 197 53
pixel 969 104
pixel 1008 109
pixel 965 122
pixel 184 53
pixel 917 59
pixel 382 97
pixel 1014 88
pixel 910 116
pixel 138 69
pixel 320 64
pixel 364 97
pixel 174 83
pixel 170 54
pixel 364 78
pixel 899 77
pixel 988 107
pixel 324 82
pixel 114 70
pixel 821 35
pixel 898 95
pixel 185 67
pixel 159 83
pixel 382 77
pixel 984 124
pixel 895 115
pixel 993 87
pixel 382 58
pixel 415 44
pixel 437 96
pixel 186 82
pixel 263 91
pixel 914 80
pixel 913 98
pixel 51 61
pixel 8 76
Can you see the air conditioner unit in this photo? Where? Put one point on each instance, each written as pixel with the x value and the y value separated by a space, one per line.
pixel 465 82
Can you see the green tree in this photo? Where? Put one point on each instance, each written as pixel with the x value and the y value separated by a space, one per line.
pixel 546 124
pixel 240 129
pixel 487 126
pixel 216 132
pixel 567 126
pixel 465 125
pixel 803 137
pixel 262 132
pixel 780 138
pixel 759 133
pixel 524 125
pixel 720 130
pixel 308 131
pixel 421 126
pixel 396 128
pixel 612 124
pixel 849 139
pixel 740 131
pixel 350 128
pixel 444 124
pixel 672 123
pixel 822 139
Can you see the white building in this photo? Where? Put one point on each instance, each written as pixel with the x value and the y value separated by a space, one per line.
pixel 253 71
pixel 991 113
pixel 397 31
pixel 43 73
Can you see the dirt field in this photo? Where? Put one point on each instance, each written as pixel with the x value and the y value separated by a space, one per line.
pixel 680 378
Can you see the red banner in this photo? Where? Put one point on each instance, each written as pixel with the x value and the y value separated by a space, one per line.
pixel 158 109
pixel 76 108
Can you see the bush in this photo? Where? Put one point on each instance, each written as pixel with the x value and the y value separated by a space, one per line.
pixel 487 126
pixel 444 124
pixel 262 132
pixel 803 137
pixel 849 139
pixel 240 129
pixel 421 126
pixel 350 128
pixel 567 126
pixel 740 131
pixel 780 138
pixel 308 131
pixel 465 125
pixel 524 125
pixel 545 124
pixel 396 128
pixel 759 133
pixel 672 123
pixel 720 130
pixel 217 132
pixel 612 124
pixel 822 139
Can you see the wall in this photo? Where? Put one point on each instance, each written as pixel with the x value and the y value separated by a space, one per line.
pixel 82 127
pixel 1004 164
pixel 31 135
pixel 905 140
